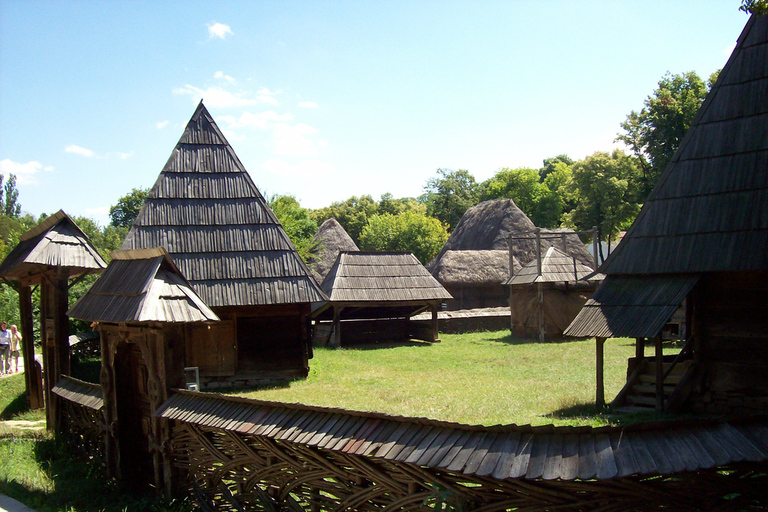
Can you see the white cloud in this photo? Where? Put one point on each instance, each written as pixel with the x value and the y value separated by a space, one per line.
pixel 296 140
pixel 305 169
pixel 307 104
pixel 219 30
pixel 25 173
pixel 123 156
pixel 729 50
pixel 217 97
pixel 79 151
pixel 267 96
pixel 161 125
pixel 221 75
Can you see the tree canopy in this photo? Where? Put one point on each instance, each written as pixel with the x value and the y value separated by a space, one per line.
pixel 352 214
pixel 543 206
pixel 409 231
pixel 296 221
pixel 449 195
pixel 654 133
pixel 127 208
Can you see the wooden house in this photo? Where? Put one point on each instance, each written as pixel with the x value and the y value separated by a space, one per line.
pixel 373 296
pixel 145 310
pixel 548 292
pixel 205 210
pixel 701 240
pixel 475 262
pixel 49 256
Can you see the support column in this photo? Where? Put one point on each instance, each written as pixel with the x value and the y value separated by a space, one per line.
pixel 60 305
pixel 599 380
pixel 336 339
pixel 659 374
pixel 49 356
pixel 32 377
pixel 435 325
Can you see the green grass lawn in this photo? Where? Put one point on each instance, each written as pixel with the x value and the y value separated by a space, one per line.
pixel 480 378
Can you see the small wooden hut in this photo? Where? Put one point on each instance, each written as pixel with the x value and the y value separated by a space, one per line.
pixel 701 240
pixel 474 264
pixel 548 293
pixel 331 239
pixel 145 310
pixel 48 255
pixel 373 295
pixel 205 210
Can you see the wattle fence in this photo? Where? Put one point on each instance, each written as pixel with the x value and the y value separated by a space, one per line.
pixel 235 454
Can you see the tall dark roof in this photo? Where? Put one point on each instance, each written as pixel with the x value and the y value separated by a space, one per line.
pixel 141 286
pixel 205 210
pixel 709 210
pixel 381 277
pixel 328 242
pixel 55 242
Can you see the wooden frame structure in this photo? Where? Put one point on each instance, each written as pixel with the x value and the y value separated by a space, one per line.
pixel 48 256
pixel 701 239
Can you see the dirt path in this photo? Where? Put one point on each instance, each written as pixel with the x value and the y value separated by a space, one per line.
pixel 22 425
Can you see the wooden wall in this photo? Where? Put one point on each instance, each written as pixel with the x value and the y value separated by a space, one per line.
pixel 731 329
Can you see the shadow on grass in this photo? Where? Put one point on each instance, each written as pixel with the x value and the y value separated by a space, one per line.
pixel 379 345
pixel 509 339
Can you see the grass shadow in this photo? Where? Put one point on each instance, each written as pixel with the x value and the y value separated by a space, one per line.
pixel 510 339
pixel 379 345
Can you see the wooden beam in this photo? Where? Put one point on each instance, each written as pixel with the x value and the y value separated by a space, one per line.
pixel 32 378
pixel 600 379
pixel 659 374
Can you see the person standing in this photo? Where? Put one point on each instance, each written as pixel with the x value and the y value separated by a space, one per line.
pixel 15 347
pixel 5 348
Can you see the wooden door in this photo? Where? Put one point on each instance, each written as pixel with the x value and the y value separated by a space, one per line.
pixel 213 348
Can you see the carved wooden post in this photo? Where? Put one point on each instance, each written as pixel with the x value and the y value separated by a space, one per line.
pixel 49 356
pixel 600 385
pixel 60 339
pixel 31 376
pixel 336 340
pixel 108 350
pixel 435 324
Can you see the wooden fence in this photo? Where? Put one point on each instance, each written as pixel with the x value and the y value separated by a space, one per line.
pixel 236 454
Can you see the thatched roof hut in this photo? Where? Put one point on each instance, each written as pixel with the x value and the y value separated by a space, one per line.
pixel 474 263
pixel 379 285
pixel 331 239
pixel 702 235
pixel 206 212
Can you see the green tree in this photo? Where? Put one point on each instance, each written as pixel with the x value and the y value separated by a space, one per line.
pixel 449 195
pixel 550 165
pixel 543 206
pixel 127 208
pixel 352 214
pixel 388 204
pixel 410 231
pixel 297 223
pixel 655 133
pixel 9 196
pixel 603 185
pixel 758 7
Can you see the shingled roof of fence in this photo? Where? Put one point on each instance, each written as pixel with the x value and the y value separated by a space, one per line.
pixel 55 242
pixel 501 452
pixel 205 210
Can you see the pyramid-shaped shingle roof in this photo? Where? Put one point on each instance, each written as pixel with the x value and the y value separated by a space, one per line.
pixel 709 210
pixel 556 267
pixel 206 212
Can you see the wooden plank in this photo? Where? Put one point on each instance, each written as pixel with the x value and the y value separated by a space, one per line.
pixel 569 461
pixel 323 431
pixel 333 434
pixel 508 452
pixel 401 430
pixel 554 458
pixel 623 454
pixel 702 458
pixel 267 421
pixel 453 451
pixel 440 448
pixel 237 414
pixel 498 449
pixel 413 443
pixel 606 465
pixel 477 457
pixel 367 433
pixel 538 456
pixel 381 435
pixel 424 445
pixel 251 422
pixel 522 456
pixel 658 452
pixel 310 430
pixel 346 433
pixel 462 457
pixel 750 451
pixel 587 459
pixel 286 423
pixel 712 445
pixel 296 427
pixel 282 417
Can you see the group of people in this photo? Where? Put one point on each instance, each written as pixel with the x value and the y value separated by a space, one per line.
pixel 10 345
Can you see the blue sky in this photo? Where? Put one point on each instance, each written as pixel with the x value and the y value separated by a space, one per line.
pixel 328 99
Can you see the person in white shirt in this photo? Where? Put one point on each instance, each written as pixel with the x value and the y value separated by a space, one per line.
pixel 5 348
pixel 15 347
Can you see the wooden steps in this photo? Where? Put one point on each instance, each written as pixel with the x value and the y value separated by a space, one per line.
pixel 642 393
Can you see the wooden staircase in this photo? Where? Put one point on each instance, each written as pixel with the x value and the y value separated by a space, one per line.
pixel 639 394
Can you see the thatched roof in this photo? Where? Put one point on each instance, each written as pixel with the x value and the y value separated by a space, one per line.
pixel 141 286
pixel 556 267
pixel 55 242
pixel 328 242
pixel 381 277
pixel 473 267
pixel 709 210
pixel 487 228
pixel 205 210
